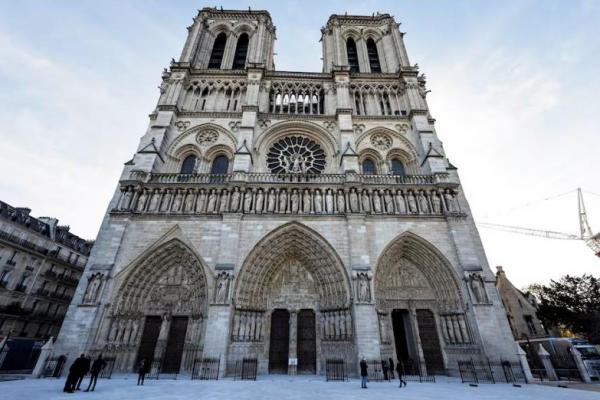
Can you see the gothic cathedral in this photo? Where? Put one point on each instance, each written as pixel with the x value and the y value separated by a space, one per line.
pixel 288 217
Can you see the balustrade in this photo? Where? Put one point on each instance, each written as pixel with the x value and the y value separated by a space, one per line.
pixel 319 194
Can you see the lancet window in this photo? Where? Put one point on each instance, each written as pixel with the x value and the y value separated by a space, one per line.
pixel 216 56
pixel 296 98
pixel 241 51
pixel 352 55
pixel 373 56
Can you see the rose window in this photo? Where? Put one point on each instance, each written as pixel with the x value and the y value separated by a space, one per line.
pixel 296 155
pixel 381 141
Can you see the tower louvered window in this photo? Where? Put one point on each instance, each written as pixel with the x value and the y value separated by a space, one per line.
pixel 352 55
pixel 241 51
pixel 373 56
pixel 216 56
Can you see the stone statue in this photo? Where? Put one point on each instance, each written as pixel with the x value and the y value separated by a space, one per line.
pixel 221 290
pixel 364 292
pixel 376 202
pixel 449 198
pixel 201 202
pixel 329 202
pixel 436 202
pixel 248 201
pixel 125 199
pixel 258 207
pixel 188 206
pixel 478 288
pixel 154 200
pixel 141 200
pixel 295 201
pixel 224 200
pixel 353 200
pixel 389 202
pixel 282 201
pixel 271 202
pixel 166 201
pixel 400 203
pixel 93 288
pixel 176 207
pixel 412 203
pixel 318 202
pixel 423 203
pixel 366 202
pixel 341 202
pixel 235 200
pixel 306 202
pixel 212 199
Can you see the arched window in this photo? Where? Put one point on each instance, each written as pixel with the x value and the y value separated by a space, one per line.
pixel 241 50
pixel 397 167
pixel 220 165
pixel 368 167
pixel 217 51
pixel 187 167
pixel 352 55
pixel 373 56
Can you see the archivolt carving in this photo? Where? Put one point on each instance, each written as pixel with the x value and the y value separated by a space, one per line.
pixel 298 244
pixel 169 280
pixel 410 268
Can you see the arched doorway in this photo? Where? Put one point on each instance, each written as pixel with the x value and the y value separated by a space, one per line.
pixel 159 311
pixel 292 304
pixel 419 305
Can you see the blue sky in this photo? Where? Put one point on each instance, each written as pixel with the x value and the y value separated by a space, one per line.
pixel 515 91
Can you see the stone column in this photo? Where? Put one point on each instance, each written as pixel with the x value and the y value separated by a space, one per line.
pixel 45 353
pixel 524 364
pixel 585 376
pixel 163 336
pixel 545 357
pixel 217 333
pixel 412 312
pixel 293 342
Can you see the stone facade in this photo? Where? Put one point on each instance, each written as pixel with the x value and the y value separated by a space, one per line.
pixel 290 217
pixel 521 309
pixel 40 266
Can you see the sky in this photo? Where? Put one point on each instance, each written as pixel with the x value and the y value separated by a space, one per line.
pixel 514 91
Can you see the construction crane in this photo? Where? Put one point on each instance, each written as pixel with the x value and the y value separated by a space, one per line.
pixel 585 232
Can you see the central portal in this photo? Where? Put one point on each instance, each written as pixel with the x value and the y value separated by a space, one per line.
pixel 279 348
pixel 307 342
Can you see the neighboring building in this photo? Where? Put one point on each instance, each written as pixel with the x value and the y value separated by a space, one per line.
pixel 40 266
pixel 289 216
pixel 520 308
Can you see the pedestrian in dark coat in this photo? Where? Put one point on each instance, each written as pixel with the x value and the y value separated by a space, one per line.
pixel 142 371
pixel 400 371
pixel 384 367
pixel 363 373
pixel 391 368
pixel 73 375
pixel 97 367
pixel 84 368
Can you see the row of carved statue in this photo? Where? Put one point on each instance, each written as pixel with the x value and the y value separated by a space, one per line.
pixel 126 330
pixel 455 329
pixel 289 201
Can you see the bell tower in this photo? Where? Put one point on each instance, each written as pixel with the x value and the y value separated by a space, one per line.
pixel 230 39
pixel 363 44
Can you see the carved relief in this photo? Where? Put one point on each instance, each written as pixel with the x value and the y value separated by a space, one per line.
pixel 94 286
pixel 206 137
pixel 476 285
pixel 381 141
pixel 223 283
pixel 362 284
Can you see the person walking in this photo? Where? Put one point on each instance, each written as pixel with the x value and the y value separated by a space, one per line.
pixel 73 376
pixel 391 368
pixel 400 371
pixel 363 373
pixel 97 367
pixel 142 370
pixel 384 367
pixel 83 370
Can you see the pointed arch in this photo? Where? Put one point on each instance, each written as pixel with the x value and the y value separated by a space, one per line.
pixel 352 54
pixel 218 51
pixel 434 277
pixel 168 278
pixel 373 55
pixel 273 250
pixel 241 52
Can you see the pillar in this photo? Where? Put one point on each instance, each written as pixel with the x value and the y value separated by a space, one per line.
pixel 583 372
pixel 45 353
pixel 293 343
pixel 524 364
pixel 545 357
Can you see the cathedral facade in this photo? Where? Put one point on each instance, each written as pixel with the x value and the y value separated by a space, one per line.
pixel 289 217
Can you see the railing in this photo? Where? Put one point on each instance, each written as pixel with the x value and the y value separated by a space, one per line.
pixel 335 370
pixel 485 371
pixel 296 178
pixel 206 368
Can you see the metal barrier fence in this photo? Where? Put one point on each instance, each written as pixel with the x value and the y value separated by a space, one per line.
pixel 54 366
pixel 502 371
pixel 413 371
pixel 245 369
pixel 335 370
pixel 206 368
pixel 155 371
pixel 565 367
pixel 375 371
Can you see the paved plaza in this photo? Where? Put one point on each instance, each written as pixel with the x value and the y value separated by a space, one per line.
pixel 313 388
